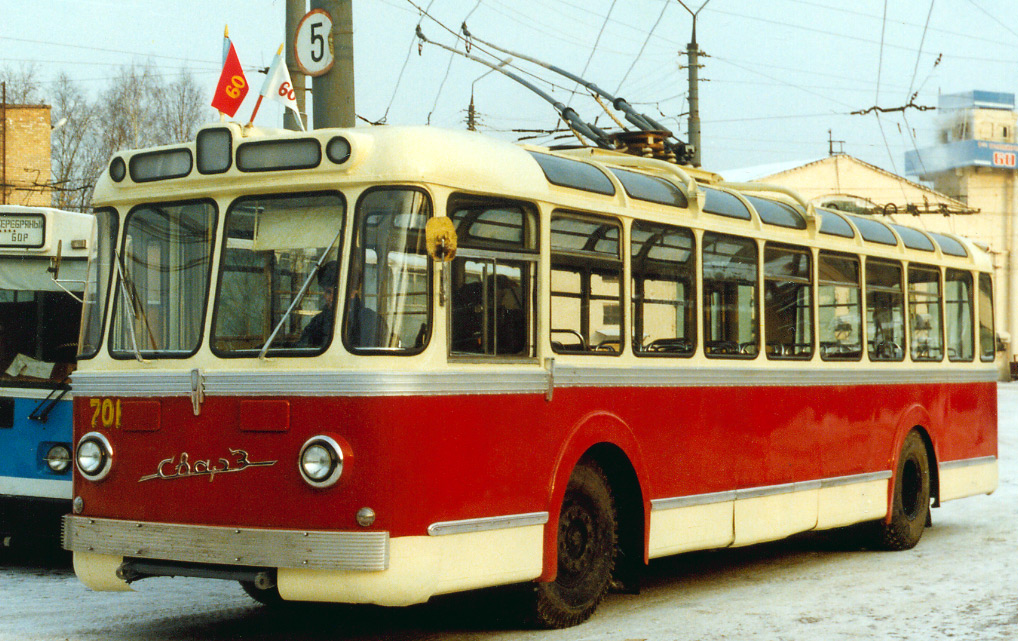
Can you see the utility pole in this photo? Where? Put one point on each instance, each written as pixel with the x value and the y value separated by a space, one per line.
pixel 333 92
pixel 693 53
pixel 3 179
pixel 295 10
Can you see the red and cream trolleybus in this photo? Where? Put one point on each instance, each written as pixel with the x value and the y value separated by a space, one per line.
pixel 378 364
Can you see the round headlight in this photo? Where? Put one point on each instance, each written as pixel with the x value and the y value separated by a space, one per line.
pixel 58 458
pixel 94 456
pixel 321 461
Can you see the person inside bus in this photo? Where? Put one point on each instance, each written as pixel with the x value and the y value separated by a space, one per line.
pixel 317 332
pixel 363 327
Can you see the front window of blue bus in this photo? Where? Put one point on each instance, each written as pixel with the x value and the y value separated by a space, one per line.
pixel 163 271
pixel 38 320
pixel 97 282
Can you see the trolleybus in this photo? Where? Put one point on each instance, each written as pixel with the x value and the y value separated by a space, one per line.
pixel 39 324
pixel 375 365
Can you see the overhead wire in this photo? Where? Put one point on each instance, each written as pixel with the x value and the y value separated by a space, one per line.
pixel 664 8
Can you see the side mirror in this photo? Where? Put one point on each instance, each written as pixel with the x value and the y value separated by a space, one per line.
pixel 54 262
pixel 440 238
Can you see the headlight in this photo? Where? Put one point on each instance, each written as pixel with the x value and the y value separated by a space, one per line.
pixel 58 458
pixel 321 461
pixel 94 456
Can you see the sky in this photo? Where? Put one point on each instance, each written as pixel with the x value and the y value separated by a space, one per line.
pixel 778 76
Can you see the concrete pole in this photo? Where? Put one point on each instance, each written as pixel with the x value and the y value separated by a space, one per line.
pixel 295 10
pixel 333 95
pixel 692 53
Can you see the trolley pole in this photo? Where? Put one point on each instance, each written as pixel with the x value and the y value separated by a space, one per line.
pixel 693 53
pixel 333 91
pixel 295 10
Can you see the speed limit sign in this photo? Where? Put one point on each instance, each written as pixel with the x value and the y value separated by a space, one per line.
pixel 312 45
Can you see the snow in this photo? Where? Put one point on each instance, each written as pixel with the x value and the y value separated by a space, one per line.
pixel 958 583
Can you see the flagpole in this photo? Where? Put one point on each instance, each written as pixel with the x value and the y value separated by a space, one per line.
pixel 261 94
pixel 226 40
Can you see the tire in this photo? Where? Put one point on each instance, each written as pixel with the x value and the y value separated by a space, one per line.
pixel 910 510
pixel 267 596
pixel 586 549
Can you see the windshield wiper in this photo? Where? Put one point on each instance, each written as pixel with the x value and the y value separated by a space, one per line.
pixel 130 293
pixel 300 295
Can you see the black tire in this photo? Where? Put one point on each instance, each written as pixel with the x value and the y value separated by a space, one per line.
pixel 910 510
pixel 267 596
pixel 587 544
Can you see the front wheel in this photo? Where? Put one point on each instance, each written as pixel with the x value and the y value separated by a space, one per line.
pixel 910 509
pixel 587 541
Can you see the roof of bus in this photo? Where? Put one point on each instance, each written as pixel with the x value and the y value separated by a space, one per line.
pixel 452 158
pixel 70 229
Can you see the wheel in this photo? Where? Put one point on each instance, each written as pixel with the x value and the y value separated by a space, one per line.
pixel 265 596
pixel 587 543
pixel 910 510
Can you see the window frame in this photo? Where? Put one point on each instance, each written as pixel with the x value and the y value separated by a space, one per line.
pixel 588 260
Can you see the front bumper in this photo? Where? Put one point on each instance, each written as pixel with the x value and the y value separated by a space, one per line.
pixel 258 547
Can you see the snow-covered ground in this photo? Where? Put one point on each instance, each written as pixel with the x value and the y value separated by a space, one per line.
pixel 961 582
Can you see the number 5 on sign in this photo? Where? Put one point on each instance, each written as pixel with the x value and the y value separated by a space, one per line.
pixel 312 44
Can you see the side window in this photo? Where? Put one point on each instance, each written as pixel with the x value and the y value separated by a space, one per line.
pixel 839 307
pixel 586 284
pixel 664 290
pixel 493 278
pixel 788 302
pixel 388 291
pixel 987 338
pixel 885 314
pixel 958 315
pixel 730 317
pixel 924 313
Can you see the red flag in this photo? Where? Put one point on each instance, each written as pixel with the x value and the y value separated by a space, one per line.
pixel 232 85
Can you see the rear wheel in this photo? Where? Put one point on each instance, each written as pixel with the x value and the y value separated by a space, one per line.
pixel 587 541
pixel 265 596
pixel 910 510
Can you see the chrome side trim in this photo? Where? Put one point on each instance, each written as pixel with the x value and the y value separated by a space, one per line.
pixel 530 378
pixel 314 550
pixel 767 490
pixel 839 481
pixel 774 490
pixel 722 376
pixel 968 462
pixel 489 523
pixel 688 501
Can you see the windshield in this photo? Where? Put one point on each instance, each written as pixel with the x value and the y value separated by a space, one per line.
pixel 279 270
pixel 100 266
pixel 38 326
pixel 388 287
pixel 165 265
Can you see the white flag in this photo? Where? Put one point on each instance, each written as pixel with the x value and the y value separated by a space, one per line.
pixel 278 86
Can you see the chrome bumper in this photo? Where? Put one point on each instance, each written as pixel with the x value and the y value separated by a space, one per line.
pixel 312 550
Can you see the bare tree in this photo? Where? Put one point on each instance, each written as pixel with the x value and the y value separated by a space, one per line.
pixel 73 146
pixel 137 109
pixel 22 84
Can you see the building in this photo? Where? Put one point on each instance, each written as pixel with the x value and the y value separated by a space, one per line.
pixel 25 155
pixel 973 161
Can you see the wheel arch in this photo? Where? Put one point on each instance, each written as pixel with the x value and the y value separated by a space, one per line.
pixel 918 419
pixel 605 439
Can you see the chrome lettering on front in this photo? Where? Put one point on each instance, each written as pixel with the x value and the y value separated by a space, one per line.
pixel 174 468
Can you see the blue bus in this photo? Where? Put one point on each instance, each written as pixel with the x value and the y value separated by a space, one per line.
pixel 43 261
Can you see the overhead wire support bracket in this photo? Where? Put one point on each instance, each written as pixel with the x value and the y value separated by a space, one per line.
pixel 592 132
